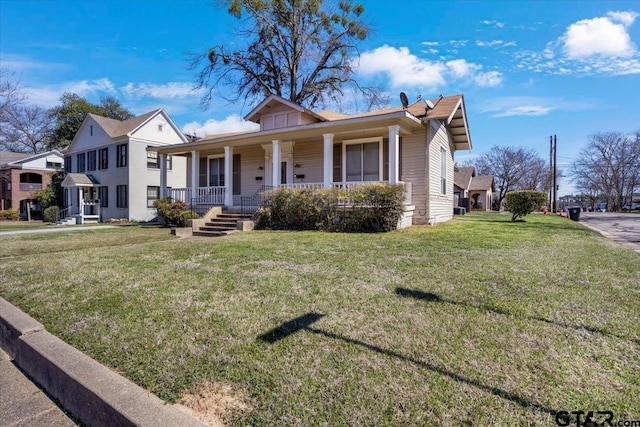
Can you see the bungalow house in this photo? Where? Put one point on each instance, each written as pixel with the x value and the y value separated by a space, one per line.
pixel 22 175
pixel 295 147
pixel 110 173
pixel 472 191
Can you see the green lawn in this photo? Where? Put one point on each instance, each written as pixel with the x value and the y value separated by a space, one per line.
pixel 21 225
pixel 478 321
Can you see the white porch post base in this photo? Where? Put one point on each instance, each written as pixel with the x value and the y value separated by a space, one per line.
pixel 228 176
pixel 327 173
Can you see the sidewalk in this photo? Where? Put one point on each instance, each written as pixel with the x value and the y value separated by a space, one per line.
pixel 89 391
pixel 24 404
pixel 56 229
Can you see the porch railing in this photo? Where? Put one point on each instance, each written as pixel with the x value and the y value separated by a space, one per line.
pixel 62 213
pixel 347 185
pixel 213 196
pixel 250 204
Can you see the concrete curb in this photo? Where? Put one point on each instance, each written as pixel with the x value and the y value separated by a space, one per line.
pixel 90 391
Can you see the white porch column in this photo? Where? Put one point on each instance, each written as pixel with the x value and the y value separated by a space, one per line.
pixel 228 176
pixel 394 154
pixel 328 160
pixel 162 158
pixel 275 158
pixel 195 174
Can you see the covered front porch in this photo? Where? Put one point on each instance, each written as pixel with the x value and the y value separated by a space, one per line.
pixel 222 175
pixel 81 198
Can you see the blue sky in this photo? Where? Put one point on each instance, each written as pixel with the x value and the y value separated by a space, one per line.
pixel 527 69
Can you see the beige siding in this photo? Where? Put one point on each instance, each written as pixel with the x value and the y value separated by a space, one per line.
pixel 440 206
pixel 309 155
pixel 414 167
pixel 251 159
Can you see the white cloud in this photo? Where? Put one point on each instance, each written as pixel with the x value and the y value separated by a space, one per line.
pixel 402 67
pixel 429 43
pixel 496 24
pixel 488 79
pixel 49 95
pixel 404 70
pixel 529 106
pixel 626 18
pixel 495 43
pixel 232 123
pixel 605 36
pixel 169 90
pixel 460 68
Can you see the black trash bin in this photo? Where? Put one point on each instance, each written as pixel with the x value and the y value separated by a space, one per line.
pixel 574 213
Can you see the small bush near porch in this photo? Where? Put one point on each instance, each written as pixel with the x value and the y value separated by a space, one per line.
pixel 479 321
pixel 364 208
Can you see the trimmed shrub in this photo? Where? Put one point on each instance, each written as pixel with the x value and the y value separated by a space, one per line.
pixel 522 203
pixel 9 215
pixel 174 213
pixel 50 214
pixel 365 208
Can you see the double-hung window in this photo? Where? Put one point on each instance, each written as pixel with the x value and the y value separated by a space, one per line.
pixel 91 160
pixel 153 194
pixel 121 155
pixel 121 196
pixel 80 158
pixel 103 158
pixel 443 171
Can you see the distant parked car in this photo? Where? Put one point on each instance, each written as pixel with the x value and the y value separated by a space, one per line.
pixel 631 207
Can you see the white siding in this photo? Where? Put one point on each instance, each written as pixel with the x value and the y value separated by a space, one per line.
pixel 150 132
pixel 414 167
pixel 88 138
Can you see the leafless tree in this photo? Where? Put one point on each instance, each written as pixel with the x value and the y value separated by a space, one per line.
pixel 301 50
pixel 513 169
pixel 609 166
pixel 10 93
pixel 25 129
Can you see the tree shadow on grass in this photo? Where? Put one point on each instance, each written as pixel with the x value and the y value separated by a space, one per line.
pixel 303 323
pixel 428 296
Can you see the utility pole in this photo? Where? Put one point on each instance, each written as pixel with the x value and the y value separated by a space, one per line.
pixel 555 171
pixel 551 174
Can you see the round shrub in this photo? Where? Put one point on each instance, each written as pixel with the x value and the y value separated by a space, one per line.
pixel 50 214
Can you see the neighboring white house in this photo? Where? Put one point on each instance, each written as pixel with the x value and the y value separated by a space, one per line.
pixel 294 147
pixel 110 173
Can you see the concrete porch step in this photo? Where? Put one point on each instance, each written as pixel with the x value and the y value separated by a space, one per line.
pixel 216 228
pixel 202 233
pixel 221 223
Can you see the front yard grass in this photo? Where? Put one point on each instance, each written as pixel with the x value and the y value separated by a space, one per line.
pixel 478 321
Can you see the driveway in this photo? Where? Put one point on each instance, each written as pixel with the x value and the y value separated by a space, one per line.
pixel 623 228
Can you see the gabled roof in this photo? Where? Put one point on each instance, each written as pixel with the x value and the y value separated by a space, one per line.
pixel 116 128
pixel 21 158
pixel 462 176
pixel 79 180
pixel 10 156
pixel 482 182
pixel 270 101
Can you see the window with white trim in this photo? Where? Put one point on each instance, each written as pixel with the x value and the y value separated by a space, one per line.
pixel 363 160
pixel 443 171
pixel 216 172
pixel 153 194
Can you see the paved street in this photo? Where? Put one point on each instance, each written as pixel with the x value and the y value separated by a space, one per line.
pixel 623 228
pixel 24 404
